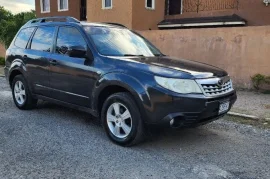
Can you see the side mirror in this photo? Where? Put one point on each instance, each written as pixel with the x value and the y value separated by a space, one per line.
pixel 77 51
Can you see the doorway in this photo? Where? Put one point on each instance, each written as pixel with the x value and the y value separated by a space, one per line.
pixel 83 15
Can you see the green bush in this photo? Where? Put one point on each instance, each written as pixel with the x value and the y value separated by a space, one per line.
pixel 2 61
pixel 258 80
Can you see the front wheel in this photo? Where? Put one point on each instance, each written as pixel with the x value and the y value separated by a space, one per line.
pixel 21 95
pixel 122 120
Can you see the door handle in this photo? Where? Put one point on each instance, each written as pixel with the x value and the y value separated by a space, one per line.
pixel 53 62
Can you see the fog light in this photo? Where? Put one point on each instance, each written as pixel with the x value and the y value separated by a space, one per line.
pixel 172 122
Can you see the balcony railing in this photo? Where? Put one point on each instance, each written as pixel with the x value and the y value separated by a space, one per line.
pixel 209 5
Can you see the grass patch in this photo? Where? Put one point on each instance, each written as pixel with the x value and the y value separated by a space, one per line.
pixel 2 61
pixel 241 111
pixel 266 92
pixel 261 123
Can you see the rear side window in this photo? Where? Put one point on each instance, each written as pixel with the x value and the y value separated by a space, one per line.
pixel 23 37
pixel 68 37
pixel 43 39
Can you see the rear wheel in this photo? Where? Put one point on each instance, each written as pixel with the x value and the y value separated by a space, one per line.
pixel 122 120
pixel 21 94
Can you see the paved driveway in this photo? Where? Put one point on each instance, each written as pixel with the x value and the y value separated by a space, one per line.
pixel 56 142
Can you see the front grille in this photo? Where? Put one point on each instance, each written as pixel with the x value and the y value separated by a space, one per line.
pixel 217 90
pixel 216 86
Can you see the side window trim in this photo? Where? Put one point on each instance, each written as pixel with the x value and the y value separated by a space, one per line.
pixel 30 39
pixel 55 39
pixel 54 34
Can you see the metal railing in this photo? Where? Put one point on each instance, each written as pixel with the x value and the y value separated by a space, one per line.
pixel 209 5
pixel 52 19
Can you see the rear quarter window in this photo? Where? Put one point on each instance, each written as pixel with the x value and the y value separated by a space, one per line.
pixel 23 37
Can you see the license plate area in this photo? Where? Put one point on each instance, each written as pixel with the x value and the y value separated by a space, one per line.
pixel 224 107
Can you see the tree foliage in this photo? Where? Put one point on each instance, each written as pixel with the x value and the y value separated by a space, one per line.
pixel 10 24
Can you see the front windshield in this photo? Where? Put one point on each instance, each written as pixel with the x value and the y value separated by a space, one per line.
pixel 113 41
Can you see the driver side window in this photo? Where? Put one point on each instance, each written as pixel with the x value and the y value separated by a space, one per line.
pixel 68 37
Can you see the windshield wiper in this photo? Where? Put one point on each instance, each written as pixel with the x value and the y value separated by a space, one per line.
pixel 159 55
pixel 132 55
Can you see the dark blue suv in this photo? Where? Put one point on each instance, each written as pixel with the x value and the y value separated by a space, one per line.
pixel 115 74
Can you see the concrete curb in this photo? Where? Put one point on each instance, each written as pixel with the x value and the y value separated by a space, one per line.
pixel 243 115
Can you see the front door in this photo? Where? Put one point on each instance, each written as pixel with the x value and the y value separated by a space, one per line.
pixel 37 58
pixel 72 78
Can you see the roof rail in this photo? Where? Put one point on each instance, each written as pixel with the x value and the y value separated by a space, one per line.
pixel 53 19
pixel 117 24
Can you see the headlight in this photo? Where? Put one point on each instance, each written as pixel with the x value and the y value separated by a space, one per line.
pixel 178 85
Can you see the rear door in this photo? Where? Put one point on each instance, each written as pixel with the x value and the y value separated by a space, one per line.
pixel 39 52
pixel 72 78
pixel 19 50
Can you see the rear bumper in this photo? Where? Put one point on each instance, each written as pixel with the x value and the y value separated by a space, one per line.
pixel 188 110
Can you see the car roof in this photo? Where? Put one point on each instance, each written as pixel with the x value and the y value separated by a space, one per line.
pixel 66 20
pixel 102 24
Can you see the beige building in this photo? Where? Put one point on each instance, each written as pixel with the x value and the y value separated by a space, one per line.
pixel 163 14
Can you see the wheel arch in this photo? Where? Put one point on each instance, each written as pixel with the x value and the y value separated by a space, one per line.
pixel 114 83
pixel 12 75
pixel 17 68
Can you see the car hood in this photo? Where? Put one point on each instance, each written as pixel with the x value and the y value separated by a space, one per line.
pixel 195 69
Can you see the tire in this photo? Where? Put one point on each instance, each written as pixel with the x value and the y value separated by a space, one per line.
pixel 22 96
pixel 111 121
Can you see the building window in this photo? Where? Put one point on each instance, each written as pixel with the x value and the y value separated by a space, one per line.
pixel 62 5
pixel 173 7
pixel 150 4
pixel 106 4
pixel 45 6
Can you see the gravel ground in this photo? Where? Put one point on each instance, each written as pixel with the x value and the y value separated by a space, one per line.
pixel 253 103
pixel 56 142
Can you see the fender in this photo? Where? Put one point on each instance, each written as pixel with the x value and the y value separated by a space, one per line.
pixel 131 84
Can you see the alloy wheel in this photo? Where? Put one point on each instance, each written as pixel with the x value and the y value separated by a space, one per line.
pixel 19 93
pixel 119 120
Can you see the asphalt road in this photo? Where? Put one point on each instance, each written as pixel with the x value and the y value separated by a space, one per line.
pixel 56 142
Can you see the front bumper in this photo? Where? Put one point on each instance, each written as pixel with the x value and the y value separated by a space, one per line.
pixel 209 114
pixel 187 110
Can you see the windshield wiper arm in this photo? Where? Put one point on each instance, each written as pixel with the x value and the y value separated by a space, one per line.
pixel 159 55
pixel 132 55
